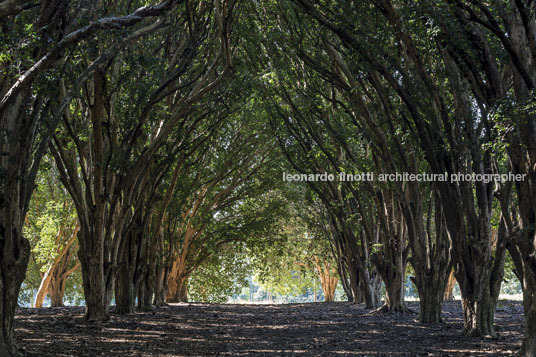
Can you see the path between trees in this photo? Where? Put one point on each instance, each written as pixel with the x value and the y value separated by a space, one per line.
pixel 321 329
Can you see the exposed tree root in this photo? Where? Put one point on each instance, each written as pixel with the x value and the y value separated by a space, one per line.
pixel 397 309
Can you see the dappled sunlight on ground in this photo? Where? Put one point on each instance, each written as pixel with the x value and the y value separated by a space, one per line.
pixel 324 329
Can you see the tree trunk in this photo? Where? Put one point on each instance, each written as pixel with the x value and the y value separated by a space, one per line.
pixel 43 288
pixel 391 260
pixel 529 304
pixel 144 277
pixel 145 295
pixel 362 282
pixel 127 278
pixel 353 274
pixel 431 284
pixel 147 284
pixel 56 292
pixel 477 301
pixel 344 278
pixel 161 283
pixel 394 292
pixel 91 256
pixel 124 290
pixel 522 154
pixel 392 272
pixel 183 292
pixel 178 276
pixel 430 256
pixel 54 280
pixel 11 277
pixel 329 287
pixel 178 292
pixel 478 316
pixel 369 290
pixel 60 274
pixel 449 290
pixel 14 254
pixel 480 281
pixel 431 304
pixel 328 278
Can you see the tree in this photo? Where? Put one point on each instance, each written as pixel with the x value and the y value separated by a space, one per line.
pixel 424 100
pixel 493 47
pixel 114 144
pixel 209 208
pixel 220 276
pixel 35 38
pixel 52 228
pixel 300 255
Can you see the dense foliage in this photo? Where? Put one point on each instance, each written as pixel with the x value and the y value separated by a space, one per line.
pixel 148 152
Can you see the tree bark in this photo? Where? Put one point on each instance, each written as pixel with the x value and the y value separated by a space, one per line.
pixel 43 288
pixel 449 290
pixel 529 303
pixel 91 256
pixel 124 290
pixel 161 284
pixel 14 199
pixel 183 292
pixel 58 281
pixel 178 288
pixel 328 278
pixel 55 278
pixel 56 292
pixel 12 273
pixel 391 259
pixel 127 278
pixel 393 279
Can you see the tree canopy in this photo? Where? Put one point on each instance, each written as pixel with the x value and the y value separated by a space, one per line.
pixel 155 152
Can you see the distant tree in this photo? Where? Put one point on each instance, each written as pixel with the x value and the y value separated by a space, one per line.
pixel 220 276
pixel 52 229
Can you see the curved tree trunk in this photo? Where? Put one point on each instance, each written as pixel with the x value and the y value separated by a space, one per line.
pixel 344 278
pixel 55 278
pixel 363 285
pixel 479 297
pixel 43 289
pixel 146 288
pixel 478 315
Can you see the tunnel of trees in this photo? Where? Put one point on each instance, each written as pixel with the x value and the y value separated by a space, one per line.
pixel 149 153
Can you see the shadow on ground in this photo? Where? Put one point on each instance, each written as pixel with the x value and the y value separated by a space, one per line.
pixel 321 329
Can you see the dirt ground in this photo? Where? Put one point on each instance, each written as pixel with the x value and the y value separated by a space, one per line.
pixel 320 329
